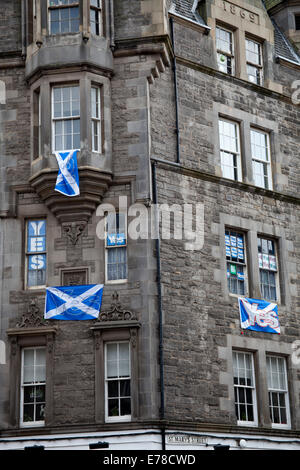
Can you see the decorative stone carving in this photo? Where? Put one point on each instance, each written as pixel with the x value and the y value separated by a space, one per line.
pixel 32 317
pixel 133 337
pixel 117 313
pixel 76 277
pixel 73 230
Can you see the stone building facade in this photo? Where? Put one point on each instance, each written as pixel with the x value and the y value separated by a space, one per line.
pixel 191 105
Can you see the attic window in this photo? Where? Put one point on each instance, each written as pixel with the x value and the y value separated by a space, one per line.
pixel 297 22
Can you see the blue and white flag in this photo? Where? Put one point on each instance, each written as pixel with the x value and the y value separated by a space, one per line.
pixel 73 302
pixel 259 315
pixel 67 181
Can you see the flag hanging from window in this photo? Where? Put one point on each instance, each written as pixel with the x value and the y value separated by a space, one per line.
pixel 67 182
pixel 73 302
pixel 259 315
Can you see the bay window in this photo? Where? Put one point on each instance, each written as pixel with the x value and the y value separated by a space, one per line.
pixel 66 118
pixel 64 16
pixel 95 17
pixel 96 118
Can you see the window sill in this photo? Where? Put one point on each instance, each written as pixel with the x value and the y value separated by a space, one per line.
pixel 118 419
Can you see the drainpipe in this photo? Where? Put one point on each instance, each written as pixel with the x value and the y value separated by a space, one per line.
pixel 24 32
pixel 161 357
pixel 111 25
pixel 175 90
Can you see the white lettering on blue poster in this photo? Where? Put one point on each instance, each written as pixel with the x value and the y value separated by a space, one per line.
pixel 240 254
pixel 240 242
pixel 233 252
pixel 36 236
pixel 227 240
pixel 233 240
pixel 37 262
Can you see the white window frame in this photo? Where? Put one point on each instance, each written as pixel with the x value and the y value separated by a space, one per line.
pixel 61 118
pixel 268 163
pixel 125 418
pixel 253 423
pixel 276 272
pixel 236 153
pixel 114 281
pixel 237 263
pixel 259 66
pixel 226 53
pixel 96 120
pixel 22 386
pixel 98 11
pixel 72 4
pixel 286 394
pixel 27 254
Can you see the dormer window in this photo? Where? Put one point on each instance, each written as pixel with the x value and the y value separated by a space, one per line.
pixel 63 16
pixel 254 61
pixel 225 50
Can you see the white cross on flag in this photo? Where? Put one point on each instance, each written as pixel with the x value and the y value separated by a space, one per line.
pixel 73 302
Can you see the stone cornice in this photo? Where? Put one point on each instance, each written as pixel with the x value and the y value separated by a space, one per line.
pixel 236 80
pixel 238 185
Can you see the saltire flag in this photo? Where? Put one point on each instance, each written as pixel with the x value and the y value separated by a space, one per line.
pixel 73 302
pixel 259 315
pixel 67 182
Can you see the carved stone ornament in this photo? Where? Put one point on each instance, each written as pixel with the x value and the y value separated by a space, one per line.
pixel 32 317
pixel 73 230
pixel 116 313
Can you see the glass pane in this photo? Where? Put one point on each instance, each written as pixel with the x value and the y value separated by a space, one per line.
pixel 112 369
pixel 76 141
pixel 28 357
pixel 40 394
pixel 40 412
pixel 28 413
pixel 40 373
pixel 28 395
pixel 125 388
pixel 124 370
pixel 124 351
pixel 125 406
pixel 112 388
pixel 28 376
pixel 113 407
pixel 40 358
pixel 112 351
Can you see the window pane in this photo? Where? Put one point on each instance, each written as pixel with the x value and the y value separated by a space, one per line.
pixel 113 407
pixel 125 406
pixel 113 389
pixel 28 413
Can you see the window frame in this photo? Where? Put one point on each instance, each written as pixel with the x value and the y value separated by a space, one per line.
pixel 99 12
pixel 256 159
pixel 259 66
pixel 69 118
pixel 73 4
pixel 237 153
pixel 230 55
pixel 98 120
pixel 285 392
pixel 24 424
pixel 107 247
pixel 253 423
pixel 119 418
pixel 276 272
pixel 28 253
pixel 245 264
